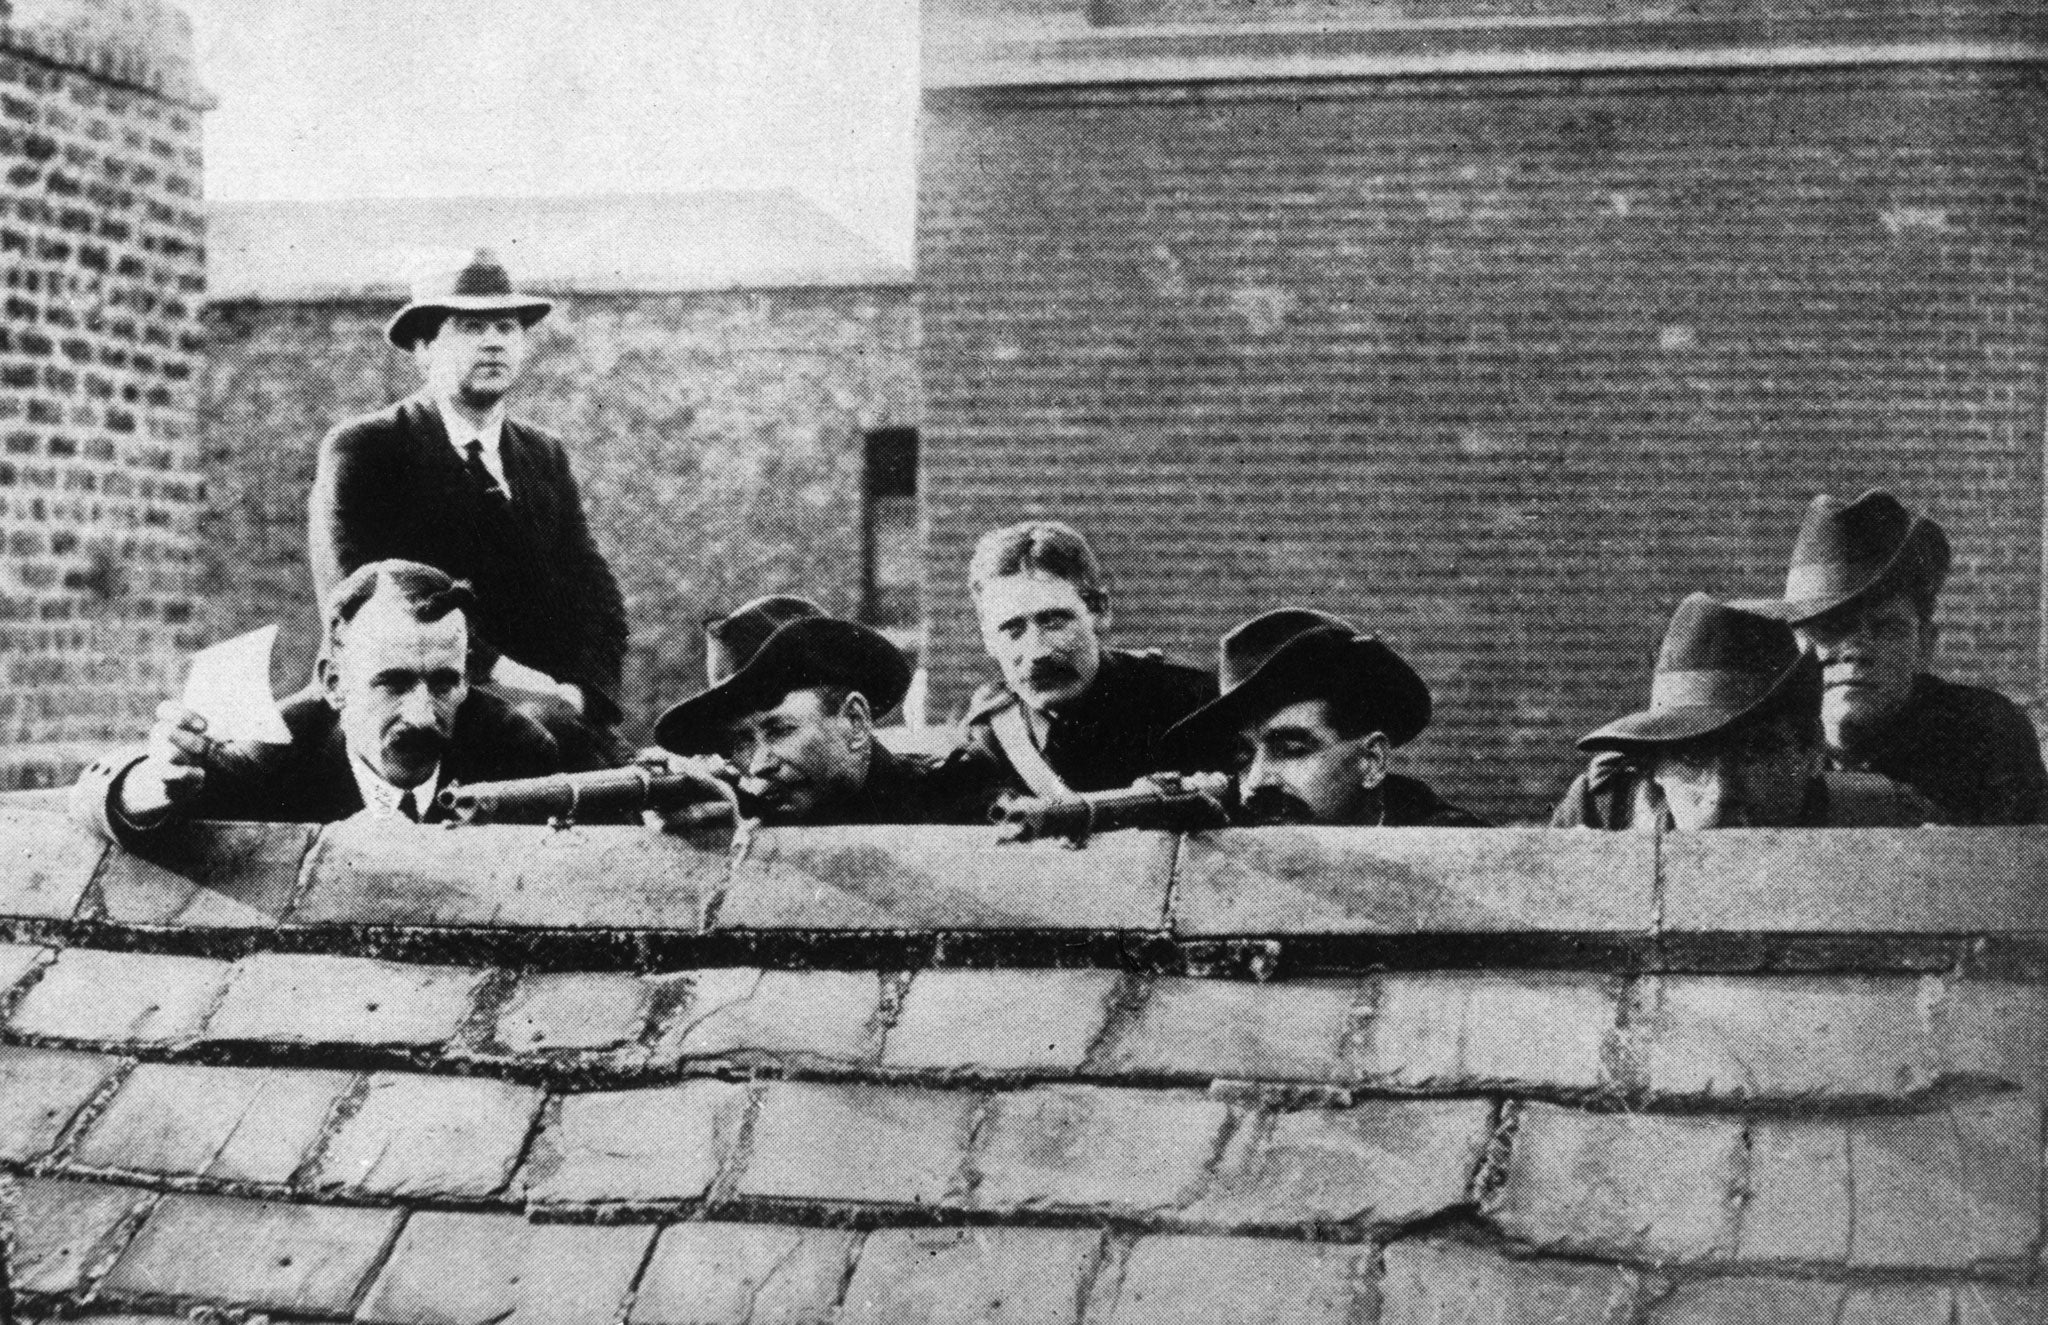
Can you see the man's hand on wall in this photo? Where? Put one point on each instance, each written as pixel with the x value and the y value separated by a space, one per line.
pixel 516 676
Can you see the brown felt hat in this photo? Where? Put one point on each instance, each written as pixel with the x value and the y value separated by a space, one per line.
pixel 1719 666
pixel 771 647
pixel 480 285
pixel 1293 654
pixel 1850 551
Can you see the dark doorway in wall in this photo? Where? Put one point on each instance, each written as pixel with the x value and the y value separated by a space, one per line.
pixel 892 539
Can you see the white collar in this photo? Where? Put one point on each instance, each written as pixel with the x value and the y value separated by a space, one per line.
pixel 461 432
pixel 381 800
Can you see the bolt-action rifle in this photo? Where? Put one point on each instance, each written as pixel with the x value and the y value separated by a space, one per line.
pixel 1164 802
pixel 611 795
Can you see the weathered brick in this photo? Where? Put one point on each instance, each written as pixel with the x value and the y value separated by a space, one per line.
pixel 1348 881
pixel 419 1135
pixel 364 873
pixel 578 1011
pixel 1759 1301
pixel 1204 1030
pixel 857 1143
pixel 47 866
pixel 743 1274
pixel 945 878
pixel 1188 1280
pixel 1003 1276
pixel 457 1269
pixel 999 1020
pixel 1444 1029
pixel 1436 1283
pixel 1786 1036
pixel 1958 1187
pixel 1378 1162
pixel 41 1090
pixel 215 875
pixel 1627 1184
pixel 229 1123
pixel 1096 1148
pixel 1876 881
pixel 121 997
pixel 306 999
pixel 1796 1208
pixel 67 1233
pixel 261 1254
pixel 741 1010
pixel 666 1144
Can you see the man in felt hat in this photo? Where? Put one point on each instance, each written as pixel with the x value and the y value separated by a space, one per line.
pixel 390 721
pixel 1861 592
pixel 1310 713
pixel 1070 713
pixel 445 477
pixel 794 699
pixel 1731 740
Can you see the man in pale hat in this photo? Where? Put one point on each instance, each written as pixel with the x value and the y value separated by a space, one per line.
pixel 1861 592
pixel 1311 711
pixel 446 477
pixel 1070 714
pixel 794 699
pixel 1731 739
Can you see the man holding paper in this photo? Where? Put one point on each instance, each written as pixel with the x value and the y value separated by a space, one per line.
pixel 389 722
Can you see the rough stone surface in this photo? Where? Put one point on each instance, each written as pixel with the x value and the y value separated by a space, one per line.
pixel 121 997
pixel 431 1136
pixel 743 1274
pixel 46 865
pixel 1953 1188
pixel 740 1010
pixel 229 1123
pixel 207 876
pixel 264 1254
pixel 41 1090
pixel 1190 1280
pixel 1000 1276
pixel 458 1269
pixel 1205 1029
pixel 293 998
pixel 1450 1030
pixel 1797 1206
pixel 1089 1148
pixel 657 1145
pixel 1645 1185
pixel 1436 1283
pixel 999 1020
pixel 67 1232
pixel 857 1143
pixel 575 1011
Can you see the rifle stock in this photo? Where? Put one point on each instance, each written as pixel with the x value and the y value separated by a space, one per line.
pixel 1164 802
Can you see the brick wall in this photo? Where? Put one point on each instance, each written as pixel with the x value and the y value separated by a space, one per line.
pixel 717 437
pixel 102 261
pixel 1500 366
pixel 380 1072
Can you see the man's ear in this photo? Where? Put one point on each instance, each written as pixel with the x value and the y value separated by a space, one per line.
pixel 1370 759
pixel 860 719
pixel 329 677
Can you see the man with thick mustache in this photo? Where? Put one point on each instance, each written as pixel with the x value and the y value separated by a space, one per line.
pixel 445 477
pixel 1310 713
pixel 1070 714
pixel 389 722
pixel 1861 593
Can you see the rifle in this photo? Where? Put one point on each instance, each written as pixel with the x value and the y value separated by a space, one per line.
pixel 611 794
pixel 1165 802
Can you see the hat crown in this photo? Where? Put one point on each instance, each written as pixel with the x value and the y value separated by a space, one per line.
pixel 731 641
pixel 1714 654
pixel 482 276
pixel 1847 548
pixel 1249 647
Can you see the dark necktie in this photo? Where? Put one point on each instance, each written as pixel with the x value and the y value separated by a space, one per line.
pixel 481 475
pixel 406 807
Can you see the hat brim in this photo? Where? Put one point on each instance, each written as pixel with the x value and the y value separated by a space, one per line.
pixel 1315 664
pixel 1924 550
pixel 1673 726
pixel 809 651
pixel 408 326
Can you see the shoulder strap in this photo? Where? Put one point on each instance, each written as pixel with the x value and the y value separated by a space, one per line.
pixel 1008 725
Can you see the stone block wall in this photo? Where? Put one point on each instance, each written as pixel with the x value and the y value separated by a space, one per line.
pixel 1498 335
pixel 382 1073
pixel 717 436
pixel 102 259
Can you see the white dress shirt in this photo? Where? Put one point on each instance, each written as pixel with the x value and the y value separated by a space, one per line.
pixel 461 432
pixel 381 800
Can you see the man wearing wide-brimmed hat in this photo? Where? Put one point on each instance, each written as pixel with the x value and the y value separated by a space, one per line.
pixel 792 706
pixel 1731 739
pixel 445 477
pixel 1310 712
pixel 1861 592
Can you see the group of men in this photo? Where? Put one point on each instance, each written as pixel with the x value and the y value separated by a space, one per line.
pixel 473 632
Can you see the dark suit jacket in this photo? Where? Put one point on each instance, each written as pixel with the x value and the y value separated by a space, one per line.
pixel 309 781
pixel 390 485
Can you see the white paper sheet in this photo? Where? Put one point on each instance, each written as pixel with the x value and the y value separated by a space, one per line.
pixel 230 687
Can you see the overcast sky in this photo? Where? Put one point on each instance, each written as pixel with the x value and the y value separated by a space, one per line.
pixel 351 98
